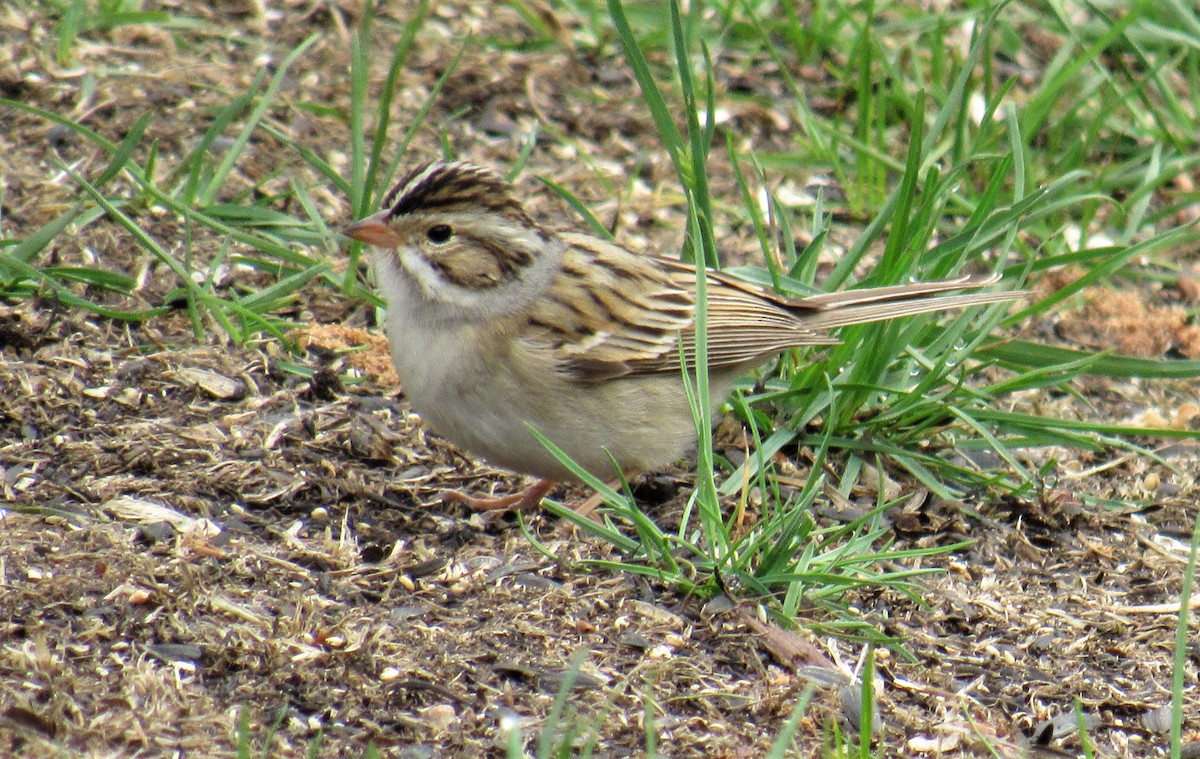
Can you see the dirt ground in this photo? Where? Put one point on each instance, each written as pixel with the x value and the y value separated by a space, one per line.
pixel 195 536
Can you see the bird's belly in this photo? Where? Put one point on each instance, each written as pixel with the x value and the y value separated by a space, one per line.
pixel 486 406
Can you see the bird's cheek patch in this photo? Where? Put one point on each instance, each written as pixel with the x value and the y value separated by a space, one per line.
pixel 479 265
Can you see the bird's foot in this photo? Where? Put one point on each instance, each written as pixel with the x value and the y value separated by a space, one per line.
pixel 527 499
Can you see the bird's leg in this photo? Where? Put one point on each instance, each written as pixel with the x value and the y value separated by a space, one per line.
pixel 594 501
pixel 527 499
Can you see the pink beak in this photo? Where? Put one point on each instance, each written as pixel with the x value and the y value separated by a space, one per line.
pixel 373 230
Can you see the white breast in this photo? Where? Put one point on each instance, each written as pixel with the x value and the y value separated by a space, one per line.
pixel 480 389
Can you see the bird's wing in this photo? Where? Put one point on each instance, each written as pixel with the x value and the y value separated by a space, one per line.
pixel 613 313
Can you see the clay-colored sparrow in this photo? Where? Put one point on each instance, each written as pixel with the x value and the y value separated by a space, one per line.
pixel 496 322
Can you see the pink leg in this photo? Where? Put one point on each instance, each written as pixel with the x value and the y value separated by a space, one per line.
pixel 527 499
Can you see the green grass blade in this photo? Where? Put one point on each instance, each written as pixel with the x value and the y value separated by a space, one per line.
pixel 1023 354
pixel 225 167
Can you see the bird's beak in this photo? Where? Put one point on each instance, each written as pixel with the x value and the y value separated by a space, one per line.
pixel 373 230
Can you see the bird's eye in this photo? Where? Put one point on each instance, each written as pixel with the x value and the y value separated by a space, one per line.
pixel 439 233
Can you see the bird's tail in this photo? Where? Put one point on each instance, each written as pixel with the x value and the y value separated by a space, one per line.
pixel 872 304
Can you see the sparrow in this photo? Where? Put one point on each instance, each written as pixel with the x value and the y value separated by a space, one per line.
pixel 497 324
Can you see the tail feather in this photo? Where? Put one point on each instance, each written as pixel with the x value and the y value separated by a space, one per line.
pixel 893 293
pixel 847 307
pixel 873 312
